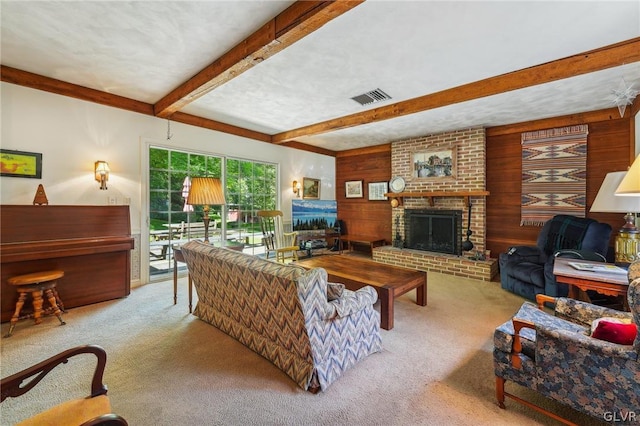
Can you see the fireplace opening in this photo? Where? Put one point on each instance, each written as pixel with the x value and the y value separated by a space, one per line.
pixel 434 230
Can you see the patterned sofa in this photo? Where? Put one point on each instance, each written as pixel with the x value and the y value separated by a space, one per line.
pixel 557 356
pixel 310 329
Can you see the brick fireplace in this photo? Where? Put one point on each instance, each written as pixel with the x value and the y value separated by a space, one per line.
pixel 468 146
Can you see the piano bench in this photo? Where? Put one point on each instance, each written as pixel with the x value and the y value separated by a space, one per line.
pixel 37 284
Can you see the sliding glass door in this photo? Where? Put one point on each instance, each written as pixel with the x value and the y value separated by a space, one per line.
pixel 249 186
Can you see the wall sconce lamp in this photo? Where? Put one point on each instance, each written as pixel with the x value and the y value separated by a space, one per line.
pixel 102 173
pixel 296 188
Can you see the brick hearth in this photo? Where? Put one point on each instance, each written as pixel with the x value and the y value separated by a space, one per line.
pixel 435 262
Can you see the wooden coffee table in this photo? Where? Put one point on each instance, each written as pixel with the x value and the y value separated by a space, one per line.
pixel 389 281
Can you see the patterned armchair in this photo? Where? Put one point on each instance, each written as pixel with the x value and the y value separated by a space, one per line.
pixel 528 270
pixel 556 356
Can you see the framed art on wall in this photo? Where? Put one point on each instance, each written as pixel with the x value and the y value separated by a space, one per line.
pixel 20 164
pixel 311 188
pixel 377 190
pixel 353 189
pixel 434 163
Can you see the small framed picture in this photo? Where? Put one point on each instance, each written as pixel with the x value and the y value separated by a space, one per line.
pixel 311 188
pixel 377 190
pixel 20 164
pixel 353 189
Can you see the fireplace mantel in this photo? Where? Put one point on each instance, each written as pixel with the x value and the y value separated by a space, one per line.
pixel 431 195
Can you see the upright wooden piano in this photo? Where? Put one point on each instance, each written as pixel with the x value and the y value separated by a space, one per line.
pixel 91 244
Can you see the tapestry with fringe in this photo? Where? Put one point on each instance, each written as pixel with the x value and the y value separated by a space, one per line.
pixel 554 172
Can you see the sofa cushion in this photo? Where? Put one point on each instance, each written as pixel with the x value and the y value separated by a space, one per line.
pixel 73 412
pixel 334 291
pixel 615 332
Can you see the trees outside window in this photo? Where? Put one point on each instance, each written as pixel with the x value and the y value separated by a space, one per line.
pixel 249 186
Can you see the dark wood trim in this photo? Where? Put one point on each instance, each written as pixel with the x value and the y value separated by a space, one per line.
pixel 607 57
pixel 297 21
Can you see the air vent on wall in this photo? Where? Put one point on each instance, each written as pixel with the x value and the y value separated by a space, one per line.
pixel 371 97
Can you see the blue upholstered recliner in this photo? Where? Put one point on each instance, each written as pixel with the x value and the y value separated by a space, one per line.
pixel 528 270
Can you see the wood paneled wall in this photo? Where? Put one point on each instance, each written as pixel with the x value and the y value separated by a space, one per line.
pixel 361 216
pixel 610 148
pixel 611 145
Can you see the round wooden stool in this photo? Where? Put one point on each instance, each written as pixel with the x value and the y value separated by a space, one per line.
pixel 37 284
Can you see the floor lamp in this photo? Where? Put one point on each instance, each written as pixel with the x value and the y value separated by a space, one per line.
pixel 627 242
pixel 206 191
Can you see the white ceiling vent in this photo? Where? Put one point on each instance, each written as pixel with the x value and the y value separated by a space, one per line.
pixel 371 97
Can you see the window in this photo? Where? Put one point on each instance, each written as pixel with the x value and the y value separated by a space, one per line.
pixel 250 186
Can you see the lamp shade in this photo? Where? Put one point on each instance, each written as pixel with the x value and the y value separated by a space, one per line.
pixel 206 191
pixel 607 202
pixel 630 185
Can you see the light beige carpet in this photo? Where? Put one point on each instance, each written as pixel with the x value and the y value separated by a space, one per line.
pixel 166 367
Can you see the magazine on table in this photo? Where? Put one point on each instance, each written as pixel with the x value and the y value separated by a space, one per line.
pixel 594 267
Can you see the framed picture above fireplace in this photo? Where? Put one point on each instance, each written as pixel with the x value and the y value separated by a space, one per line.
pixel 435 163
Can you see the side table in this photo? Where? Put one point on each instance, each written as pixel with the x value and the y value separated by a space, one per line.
pixel 607 283
pixel 178 256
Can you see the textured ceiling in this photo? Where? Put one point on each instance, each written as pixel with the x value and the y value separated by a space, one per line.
pixel 143 50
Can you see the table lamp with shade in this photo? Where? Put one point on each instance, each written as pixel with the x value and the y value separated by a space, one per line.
pixel 627 242
pixel 630 184
pixel 206 191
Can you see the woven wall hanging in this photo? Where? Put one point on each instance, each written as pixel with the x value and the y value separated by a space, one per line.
pixel 554 172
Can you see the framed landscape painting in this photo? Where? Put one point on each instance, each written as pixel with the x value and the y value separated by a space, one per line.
pixel 310 188
pixel 20 164
pixel 435 163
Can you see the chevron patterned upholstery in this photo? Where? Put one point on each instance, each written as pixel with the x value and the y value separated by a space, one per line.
pixel 282 313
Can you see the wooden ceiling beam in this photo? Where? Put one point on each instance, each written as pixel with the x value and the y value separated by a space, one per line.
pixel 607 57
pixel 47 84
pixel 294 23
pixel 181 117
pixel 560 121
pixel 309 148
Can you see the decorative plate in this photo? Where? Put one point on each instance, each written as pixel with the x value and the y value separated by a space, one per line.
pixel 396 184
